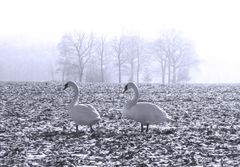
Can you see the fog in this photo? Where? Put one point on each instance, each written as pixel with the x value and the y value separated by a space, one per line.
pixel 31 32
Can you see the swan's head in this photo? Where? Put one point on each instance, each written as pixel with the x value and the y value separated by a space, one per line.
pixel 129 86
pixel 69 83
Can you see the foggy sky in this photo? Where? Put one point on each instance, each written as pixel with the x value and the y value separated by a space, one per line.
pixel 212 25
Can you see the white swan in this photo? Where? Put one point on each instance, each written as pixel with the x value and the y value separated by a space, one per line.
pixel 81 114
pixel 143 112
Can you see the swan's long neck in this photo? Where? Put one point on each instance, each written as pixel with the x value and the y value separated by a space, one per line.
pixel 133 101
pixel 75 98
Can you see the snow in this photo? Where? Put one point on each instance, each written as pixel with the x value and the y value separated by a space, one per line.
pixel 33 157
pixel 35 129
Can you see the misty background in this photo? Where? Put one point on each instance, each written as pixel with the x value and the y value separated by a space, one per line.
pixel 118 41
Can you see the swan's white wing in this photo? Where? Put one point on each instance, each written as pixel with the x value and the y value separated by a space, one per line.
pixel 146 113
pixel 90 107
pixel 84 114
pixel 93 109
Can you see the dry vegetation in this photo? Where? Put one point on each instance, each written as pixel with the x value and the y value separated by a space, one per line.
pixel 35 129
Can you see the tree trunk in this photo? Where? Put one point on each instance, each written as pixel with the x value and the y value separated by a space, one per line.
pixel 80 75
pixel 169 73
pixel 132 69
pixel 102 72
pixel 80 78
pixel 163 75
pixel 138 68
pixel 163 68
pixel 119 69
pixel 174 74
pixel 119 74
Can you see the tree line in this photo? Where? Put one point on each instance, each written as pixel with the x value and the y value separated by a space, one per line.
pixel 85 57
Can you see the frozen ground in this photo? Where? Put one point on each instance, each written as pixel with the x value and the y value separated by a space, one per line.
pixel 35 129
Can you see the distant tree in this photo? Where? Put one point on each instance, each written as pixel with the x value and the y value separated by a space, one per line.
pixel 134 51
pixel 131 55
pixel 176 56
pixel 161 52
pixel 65 60
pixel 183 75
pixel 1 63
pixel 78 47
pixel 67 69
pixel 101 51
pixel 183 58
pixel 100 61
pixel 119 48
pixel 1 71
pixel 147 76
pixel 140 57
pixel 93 72
pixel 5 53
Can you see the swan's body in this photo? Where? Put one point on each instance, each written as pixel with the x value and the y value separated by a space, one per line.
pixel 146 113
pixel 143 112
pixel 81 114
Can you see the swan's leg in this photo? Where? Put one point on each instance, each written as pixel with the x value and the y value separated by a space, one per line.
pixel 91 129
pixel 147 127
pixel 76 128
pixel 141 127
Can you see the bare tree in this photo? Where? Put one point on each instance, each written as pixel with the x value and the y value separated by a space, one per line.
pixel 79 46
pixel 67 69
pixel 175 54
pixel 131 55
pixel 119 47
pixel 147 76
pixel 134 51
pixel 160 51
pixel 1 62
pixel 101 51
pixel 183 57
pixel 93 73
pixel 140 54
pixel 183 75
pixel 65 66
pixel 98 66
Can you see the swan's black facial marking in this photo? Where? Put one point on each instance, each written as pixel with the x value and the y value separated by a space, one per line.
pixel 65 86
pixel 125 88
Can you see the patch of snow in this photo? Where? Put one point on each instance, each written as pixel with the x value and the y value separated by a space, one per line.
pixel 35 156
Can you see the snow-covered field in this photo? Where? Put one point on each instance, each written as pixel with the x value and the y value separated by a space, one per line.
pixel 35 129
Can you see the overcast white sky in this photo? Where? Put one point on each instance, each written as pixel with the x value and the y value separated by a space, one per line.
pixel 213 25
